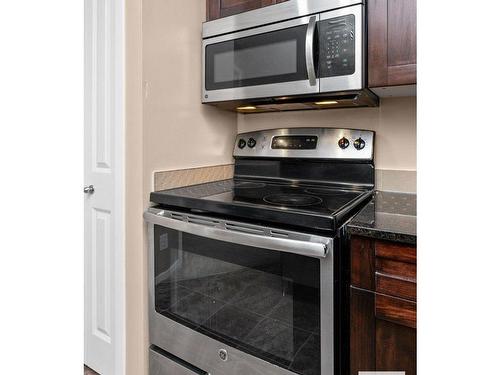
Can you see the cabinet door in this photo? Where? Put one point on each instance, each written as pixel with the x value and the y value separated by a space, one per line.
pixel 396 347
pixel 223 8
pixel 362 322
pixel 392 42
pixel 383 334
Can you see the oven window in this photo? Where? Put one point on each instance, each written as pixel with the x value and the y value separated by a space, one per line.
pixel 263 302
pixel 272 57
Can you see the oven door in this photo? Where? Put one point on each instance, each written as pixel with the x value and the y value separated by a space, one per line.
pixel 268 61
pixel 232 298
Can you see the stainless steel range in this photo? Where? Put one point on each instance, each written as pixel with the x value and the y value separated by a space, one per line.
pixel 250 275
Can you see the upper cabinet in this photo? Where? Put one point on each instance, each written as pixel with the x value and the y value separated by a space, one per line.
pixel 392 42
pixel 223 8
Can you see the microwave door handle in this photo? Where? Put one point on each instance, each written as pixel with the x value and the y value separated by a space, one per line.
pixel 308 248
pixel 311 71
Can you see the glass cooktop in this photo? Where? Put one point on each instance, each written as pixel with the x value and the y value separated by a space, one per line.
pixel 280 202
pixel 274 195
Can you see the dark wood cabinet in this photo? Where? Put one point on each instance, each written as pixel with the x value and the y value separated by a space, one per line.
pixel 223 8
pixel 383 306
pixel 395 348
pixel 392 42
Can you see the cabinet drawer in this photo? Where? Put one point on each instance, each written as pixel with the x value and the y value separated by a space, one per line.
pixel 384 267
pixel 162 363
pixel 396 269
pixel 396 310
pixel 395 286
pixel 395 251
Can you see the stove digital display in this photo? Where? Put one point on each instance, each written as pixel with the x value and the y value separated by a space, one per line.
pixel 295 142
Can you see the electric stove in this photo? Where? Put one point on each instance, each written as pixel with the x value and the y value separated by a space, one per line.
pixel 312 178
pixel 250 275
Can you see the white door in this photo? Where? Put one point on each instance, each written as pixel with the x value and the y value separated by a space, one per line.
pixel 104 192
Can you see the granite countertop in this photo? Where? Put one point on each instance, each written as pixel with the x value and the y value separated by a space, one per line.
pixel 389 216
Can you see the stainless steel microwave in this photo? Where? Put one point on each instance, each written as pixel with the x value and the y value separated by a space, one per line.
pixel 295 48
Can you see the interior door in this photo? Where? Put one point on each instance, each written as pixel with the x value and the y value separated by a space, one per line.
pixel 103 176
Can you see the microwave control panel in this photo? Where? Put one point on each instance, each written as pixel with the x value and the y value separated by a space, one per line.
pixel 337 43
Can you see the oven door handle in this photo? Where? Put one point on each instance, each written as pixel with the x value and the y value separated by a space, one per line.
pixel 311 71
pixel 212 230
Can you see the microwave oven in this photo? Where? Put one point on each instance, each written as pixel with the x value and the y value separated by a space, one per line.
pixel 295 51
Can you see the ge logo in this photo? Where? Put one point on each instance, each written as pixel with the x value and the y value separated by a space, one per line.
pixel 223 354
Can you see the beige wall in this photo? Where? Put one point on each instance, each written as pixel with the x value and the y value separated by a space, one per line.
pixel 167 128
pixel 394 122
pixel 179 132
pixel 136 323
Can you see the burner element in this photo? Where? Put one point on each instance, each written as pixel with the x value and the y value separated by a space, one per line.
pixel 328 192
pixel 293 200
pixel 248 185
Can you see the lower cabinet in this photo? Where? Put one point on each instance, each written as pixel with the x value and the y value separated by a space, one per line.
pixel 396 347
pixel 378 344
pixel 383 308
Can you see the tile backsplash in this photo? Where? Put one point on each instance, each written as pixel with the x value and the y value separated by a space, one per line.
pixel 385 179
pixel 396 180
pixel 192 176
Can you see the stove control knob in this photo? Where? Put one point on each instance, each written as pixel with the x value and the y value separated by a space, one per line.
pixel 242 143
pixel 252 142
pixel 343 143
pixel 359 144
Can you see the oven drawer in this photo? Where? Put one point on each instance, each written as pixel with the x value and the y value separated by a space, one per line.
pixel 160 364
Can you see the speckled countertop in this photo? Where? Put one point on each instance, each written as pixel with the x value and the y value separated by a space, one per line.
pixel 389 216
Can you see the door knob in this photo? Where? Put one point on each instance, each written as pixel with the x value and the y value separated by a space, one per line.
pixel 88 189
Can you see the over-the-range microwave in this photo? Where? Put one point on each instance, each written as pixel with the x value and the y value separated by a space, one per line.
pixel 297 54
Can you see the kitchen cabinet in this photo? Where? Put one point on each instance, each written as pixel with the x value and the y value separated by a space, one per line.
pixel 383 306
pixel 392 42
pixel 223 8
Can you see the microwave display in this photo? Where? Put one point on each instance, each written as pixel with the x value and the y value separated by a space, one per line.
pixel 337 42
